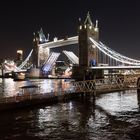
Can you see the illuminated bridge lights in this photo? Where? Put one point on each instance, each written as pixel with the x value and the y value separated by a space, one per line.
pixel 103 48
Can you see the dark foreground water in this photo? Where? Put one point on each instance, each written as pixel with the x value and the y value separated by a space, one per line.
pixel 112 116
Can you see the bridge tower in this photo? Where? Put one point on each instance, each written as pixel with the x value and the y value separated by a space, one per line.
pixel 88 53
pixel 39 38
pixel 36 51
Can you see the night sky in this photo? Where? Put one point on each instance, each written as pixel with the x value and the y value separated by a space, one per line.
pixel 119 23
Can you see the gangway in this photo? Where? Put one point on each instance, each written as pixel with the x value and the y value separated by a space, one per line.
pixel 48 65
pixel 108 83
pixel 72 57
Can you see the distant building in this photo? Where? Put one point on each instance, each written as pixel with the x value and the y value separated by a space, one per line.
pixel 19 57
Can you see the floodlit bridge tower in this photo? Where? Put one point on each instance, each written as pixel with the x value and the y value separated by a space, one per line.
pixel 39 38
pixel 88 53
pixel 36 50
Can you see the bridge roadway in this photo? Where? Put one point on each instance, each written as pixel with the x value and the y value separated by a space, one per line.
pixel 34 97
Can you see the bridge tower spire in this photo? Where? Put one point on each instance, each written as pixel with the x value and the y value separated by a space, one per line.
pixel 88 54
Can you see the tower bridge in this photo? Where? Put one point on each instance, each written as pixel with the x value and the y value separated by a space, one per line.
pixel 88 54
pixel 92 53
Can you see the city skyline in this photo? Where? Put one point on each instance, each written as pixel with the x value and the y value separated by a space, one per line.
pixel 118 23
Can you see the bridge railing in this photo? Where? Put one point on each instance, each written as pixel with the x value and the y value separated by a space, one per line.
pixel 108 83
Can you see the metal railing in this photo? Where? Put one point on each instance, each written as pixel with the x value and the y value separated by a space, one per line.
pixel 117 82
pixel 108 83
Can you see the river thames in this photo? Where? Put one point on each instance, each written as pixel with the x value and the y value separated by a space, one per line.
pixel 111 116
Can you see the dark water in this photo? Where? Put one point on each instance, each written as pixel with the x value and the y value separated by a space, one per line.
pixel 112 116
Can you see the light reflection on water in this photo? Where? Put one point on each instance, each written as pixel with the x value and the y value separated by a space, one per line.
pixel 8 87
pixel 119 102
pixel 111 116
